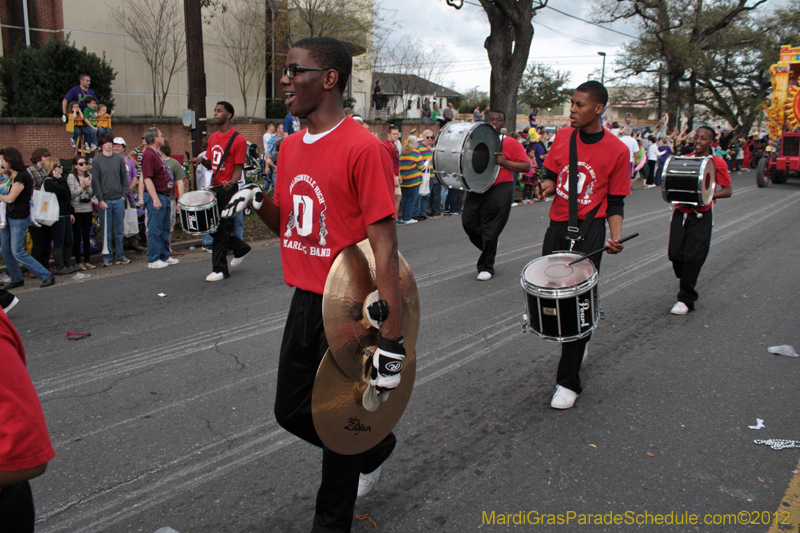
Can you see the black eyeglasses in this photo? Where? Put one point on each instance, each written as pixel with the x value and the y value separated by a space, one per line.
pixel 429 136
pixel 291 71
pixel 81 163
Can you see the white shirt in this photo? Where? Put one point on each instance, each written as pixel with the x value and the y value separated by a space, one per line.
pixel 653 153
pixel 203 175
pixel 267 137
pixel 631 143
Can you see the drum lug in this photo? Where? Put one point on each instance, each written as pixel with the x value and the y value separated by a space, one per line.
pixel 600 312
pixel 524 323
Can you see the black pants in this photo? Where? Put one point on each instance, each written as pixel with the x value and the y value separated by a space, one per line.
pixel 651 171
pixel 62 233
pixel 17 514
pixel 555 240
pixel 689 242
pixel 304 344
pixel 40 249
pixel 81 234
pixel 484 217
pixel 223 237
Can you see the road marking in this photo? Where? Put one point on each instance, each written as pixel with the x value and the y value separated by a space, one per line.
pixel 789 504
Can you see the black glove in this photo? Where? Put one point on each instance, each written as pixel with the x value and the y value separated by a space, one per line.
pixel 387 363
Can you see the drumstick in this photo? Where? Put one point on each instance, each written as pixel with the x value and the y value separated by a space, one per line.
pixel 601 250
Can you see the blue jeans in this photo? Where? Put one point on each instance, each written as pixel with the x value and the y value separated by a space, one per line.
pixel 208 240
pixel 101 130
pixel 12 248
pixel 450 201
pixel 435 198
pixel 422 202
pixel 89 134
pixel 238 225
pixel 115 214
pixel 409 202
pixel 659 170
pixel 157 228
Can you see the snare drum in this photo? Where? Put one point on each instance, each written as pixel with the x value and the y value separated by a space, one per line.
pixel 689 180
pixel 560 301
pixel 199 212
pixel 464 156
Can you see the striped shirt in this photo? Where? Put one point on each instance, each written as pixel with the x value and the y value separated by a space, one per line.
pixel 411 169
pixel 427 157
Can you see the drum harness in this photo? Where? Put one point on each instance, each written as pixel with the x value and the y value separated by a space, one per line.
pixel 222 160
pixel 575 233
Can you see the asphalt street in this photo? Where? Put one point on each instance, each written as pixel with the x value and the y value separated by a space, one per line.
pixel 163 417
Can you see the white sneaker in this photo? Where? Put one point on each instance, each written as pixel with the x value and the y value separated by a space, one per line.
pixel 679 308
pixel 564 398
pixel 158 264
pixel 367 481
pixel 236 261
pixel 215 276
pixel 172 261
pixel 484 276
pixel 410 221
pixel 648 186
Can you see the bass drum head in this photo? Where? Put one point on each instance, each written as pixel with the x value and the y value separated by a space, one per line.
pixel 479 162
pixel 197 199
pixel 550 273
pixel 466 152
pixel 709 181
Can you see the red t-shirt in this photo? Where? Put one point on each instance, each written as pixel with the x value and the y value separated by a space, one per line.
pixel 328 193
pixel 153 167
pixel 723 177
pixel 217 143
pixel 603 168
pixel 513 151
pixel 24 442
pixel 391 148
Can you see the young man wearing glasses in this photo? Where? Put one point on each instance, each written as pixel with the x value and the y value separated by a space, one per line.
pixel 334 188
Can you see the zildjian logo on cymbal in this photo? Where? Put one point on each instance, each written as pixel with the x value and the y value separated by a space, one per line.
pixel 354 424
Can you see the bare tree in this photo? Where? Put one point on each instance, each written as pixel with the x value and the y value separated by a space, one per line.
pixel 507 46
pixel 244 32
pixel 413 70
pixel 157 28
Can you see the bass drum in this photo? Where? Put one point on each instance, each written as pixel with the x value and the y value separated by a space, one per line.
pixel 689 180
pixel 464 156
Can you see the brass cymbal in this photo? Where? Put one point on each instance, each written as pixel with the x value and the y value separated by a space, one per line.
pixel 351 338
pixel 339 418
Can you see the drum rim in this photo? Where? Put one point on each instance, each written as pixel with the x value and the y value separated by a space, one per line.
pixel 201 207
pixel 558 293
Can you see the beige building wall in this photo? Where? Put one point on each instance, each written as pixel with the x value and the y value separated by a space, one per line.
pixel 89 24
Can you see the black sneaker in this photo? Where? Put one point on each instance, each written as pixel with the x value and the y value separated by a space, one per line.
pixel 13 284
pixel 9 302
pixel 49 281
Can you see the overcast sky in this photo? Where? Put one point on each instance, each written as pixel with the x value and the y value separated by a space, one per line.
pixel 561 42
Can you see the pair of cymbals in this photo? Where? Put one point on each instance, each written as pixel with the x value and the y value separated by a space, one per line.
pixel 340 418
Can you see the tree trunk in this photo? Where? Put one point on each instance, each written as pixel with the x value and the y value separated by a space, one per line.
pixel 508 46
pixel 673 100
pixel 195 69
pixel 692 98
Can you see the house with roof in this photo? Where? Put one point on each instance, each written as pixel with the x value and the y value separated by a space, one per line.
pixel 404 94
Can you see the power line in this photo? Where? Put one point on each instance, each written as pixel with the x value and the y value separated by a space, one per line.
pixel 592 23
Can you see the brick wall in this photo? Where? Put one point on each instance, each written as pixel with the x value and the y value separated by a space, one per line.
pixel 27 134
pixel 45 18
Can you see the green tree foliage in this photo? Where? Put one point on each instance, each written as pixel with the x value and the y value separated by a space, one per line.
pixel 544 87
pixel 33 81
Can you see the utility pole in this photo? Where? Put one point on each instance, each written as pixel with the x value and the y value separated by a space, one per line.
pixel 603 72
pixel 196 71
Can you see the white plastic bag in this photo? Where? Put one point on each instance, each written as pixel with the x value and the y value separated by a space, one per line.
pixel 45 207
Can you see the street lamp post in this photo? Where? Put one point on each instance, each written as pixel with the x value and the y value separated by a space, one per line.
pixel 603 72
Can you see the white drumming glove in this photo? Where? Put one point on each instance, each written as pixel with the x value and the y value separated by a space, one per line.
pixel 251 194
pixel 387 363
pixel 63 118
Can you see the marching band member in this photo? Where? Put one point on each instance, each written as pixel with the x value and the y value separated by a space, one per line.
pixel 690 229
pixel 334 188
pixel 603 164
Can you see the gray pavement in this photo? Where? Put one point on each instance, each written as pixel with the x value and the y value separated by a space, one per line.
pixel 163 417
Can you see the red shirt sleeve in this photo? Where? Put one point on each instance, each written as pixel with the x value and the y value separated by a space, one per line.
pixel 619 179
pixel 24 442
pixel 723 177
pixel 376 202
pixel 238 150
